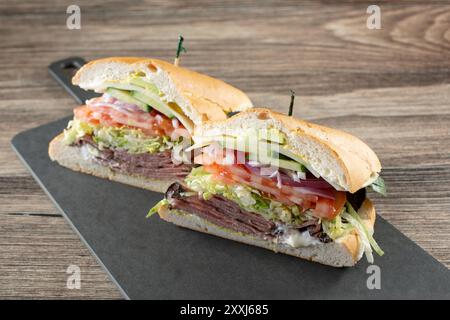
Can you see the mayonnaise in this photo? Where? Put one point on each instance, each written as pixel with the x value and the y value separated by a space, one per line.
pixel 296 239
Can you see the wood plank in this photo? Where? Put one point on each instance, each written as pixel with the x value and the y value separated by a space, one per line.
pixel 35 252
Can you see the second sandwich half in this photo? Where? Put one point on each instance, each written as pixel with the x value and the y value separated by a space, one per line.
pixel 280 183
pixel 137 131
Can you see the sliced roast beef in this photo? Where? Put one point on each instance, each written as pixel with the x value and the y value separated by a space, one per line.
pixel 153 165
pixel 220 211
pixel 315 229
pixel 228 214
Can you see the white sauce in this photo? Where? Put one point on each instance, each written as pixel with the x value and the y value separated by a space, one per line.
pixel 296 239
pixel 88 152
pixel 85 152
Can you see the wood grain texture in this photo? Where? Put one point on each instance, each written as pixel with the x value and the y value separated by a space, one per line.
pixel 391 87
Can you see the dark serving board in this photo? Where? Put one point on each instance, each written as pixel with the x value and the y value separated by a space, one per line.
pixel 150 258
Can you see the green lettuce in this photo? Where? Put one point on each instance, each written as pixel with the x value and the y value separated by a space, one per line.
pixel 155 209
pixel 379 186
pixel 131 140
pixel 76 129
pixel 336 228
pixel 365 233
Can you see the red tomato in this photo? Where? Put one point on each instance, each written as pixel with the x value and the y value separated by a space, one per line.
pixel 151 123
pixel 327 208
pixel 324 208
pixel 339 203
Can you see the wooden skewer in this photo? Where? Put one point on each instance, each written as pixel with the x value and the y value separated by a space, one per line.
pixel 291 105
pixel 180 49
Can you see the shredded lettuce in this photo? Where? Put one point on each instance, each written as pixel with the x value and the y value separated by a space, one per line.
pixel 131 140
pixel 364 232
pixel 75 130
pixel 247 198
pixel 155 209
pixel 134 141
pixel 336 228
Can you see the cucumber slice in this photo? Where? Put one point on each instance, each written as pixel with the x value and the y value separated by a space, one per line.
pixel 122 86
pixel 262 153
pixel 154 101
pixel 288 164
pixel 277 162
pixel 126 96
pixel 298 158
pixel 138 81
pixel 150 94
pixel 246 145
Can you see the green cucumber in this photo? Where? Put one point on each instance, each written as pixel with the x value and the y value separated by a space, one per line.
pixel 138 81
pixel 122 86
pixel 264 153
pixel 153 101
pixel 287 164
pixel 126 96
pixel 277 162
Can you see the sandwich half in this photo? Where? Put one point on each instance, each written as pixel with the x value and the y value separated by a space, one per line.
pixel 137 131
pixel 284 184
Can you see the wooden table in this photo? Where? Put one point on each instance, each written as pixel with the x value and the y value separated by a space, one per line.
pixel 389 86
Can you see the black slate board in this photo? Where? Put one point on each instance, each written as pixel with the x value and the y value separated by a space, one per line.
pixel 149 258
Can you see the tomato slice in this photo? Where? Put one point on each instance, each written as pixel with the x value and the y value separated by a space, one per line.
pixel 327 208
pixel 324 208
pixel 240 174
pixel 339 203
pixel 152 123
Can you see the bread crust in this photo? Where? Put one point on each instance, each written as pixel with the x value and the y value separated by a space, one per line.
pixel 210 98
pixel 71 157
pixel 356 161
pixel 344 252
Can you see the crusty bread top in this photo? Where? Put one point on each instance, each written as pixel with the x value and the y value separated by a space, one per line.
pixel 340 158
pixel 199 96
